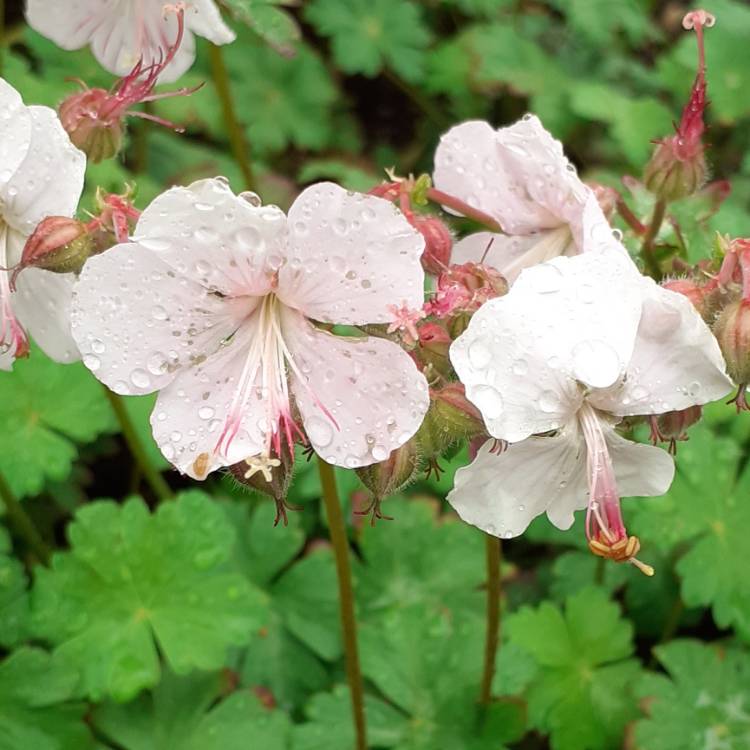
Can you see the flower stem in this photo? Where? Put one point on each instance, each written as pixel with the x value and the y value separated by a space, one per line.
pixel 22 522
pixel 155 480
pixel 236 134
pixel 432 111
pixel 438 196
pixel 2 35
pixel 647 248
pixel 346 598
pixel 493 559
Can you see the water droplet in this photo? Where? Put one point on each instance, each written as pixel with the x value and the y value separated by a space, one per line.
pixel 159 313
pixel 545 278
pixel 155 244
pixel 92 362
pixel 252 198
pixel 205 412
pixel 157 364
pixel 379 452
pixel 320 431
pixel 140 378
pixel 520 367
pixel 595 363
pixel 549 401
pixel 488 400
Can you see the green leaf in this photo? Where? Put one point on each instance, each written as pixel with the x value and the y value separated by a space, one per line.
pixel 328 726
pixel 430 669
pixel 575 570
pixel 14 599
pixel 35 708
pixel 285 102
pixel 368 35
pixel 45 409
pixel 132 581
pixel 269 20
pixel 350 176
pixel 706 513
pixel 702 703
pixel 420 558
pixel 183 713
pixel 581 694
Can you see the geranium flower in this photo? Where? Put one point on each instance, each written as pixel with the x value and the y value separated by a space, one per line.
pixel 213 304
pixel 41 174
pixel 521 178
pixel 576 345
pixel 123 33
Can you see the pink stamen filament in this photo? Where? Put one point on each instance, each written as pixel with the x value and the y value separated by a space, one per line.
pixel 270 358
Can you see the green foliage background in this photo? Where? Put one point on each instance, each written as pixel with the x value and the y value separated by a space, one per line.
pixel 196 625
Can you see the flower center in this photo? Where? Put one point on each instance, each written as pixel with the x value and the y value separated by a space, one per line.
pixel 265 378
pixel 13 338
pixel 605 528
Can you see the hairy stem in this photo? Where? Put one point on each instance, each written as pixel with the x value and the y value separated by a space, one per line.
pixel 22 522
pixel 444 199
pixel 647 248
pixel 237 140
pixel 493 558
pixel 154 479
pixel 346 598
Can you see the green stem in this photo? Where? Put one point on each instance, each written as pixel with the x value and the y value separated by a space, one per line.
pixel 155 480
pixel 346 598
pixel 22 522
pixel 236 134
pixel 2 35
pixel 647 248
pixel 444 199
pixel 493 558
pixel 432 111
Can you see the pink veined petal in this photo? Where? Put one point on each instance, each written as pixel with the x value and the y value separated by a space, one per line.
pixel 351 256
pixel 192 411
pixel 359 398
pixel 215 238
pixel 15 131
pixel 136 322
pixel 541 171
pixel 42 303
pixel 502 493
pixel 49 180
pixel 676 361
pixel 69 23
pixel 524 356
pixel 510 254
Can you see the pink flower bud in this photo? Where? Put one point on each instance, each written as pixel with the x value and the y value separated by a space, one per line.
pixel 438 243
pixel 455 413
pixel 98 135
pixel 606 196
pixel 389 476
pixel 434 343
pixel 58 244
pixel 672 426
pixel 697 294
pixel 732 331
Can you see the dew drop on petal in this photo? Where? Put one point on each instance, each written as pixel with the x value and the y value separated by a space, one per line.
pixel 379 452
pixel 320 431
pixel 595 363
pixel 140 378
pixel 479 353
pixel 549 401
pixel 92 362
pixel 205 412
pixel 547 279
pixel 488 400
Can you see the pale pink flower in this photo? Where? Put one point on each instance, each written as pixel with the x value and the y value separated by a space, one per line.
pixel 520 177
pixel 576 345
pixel 41 175
pixel 212 304
pixel 123 33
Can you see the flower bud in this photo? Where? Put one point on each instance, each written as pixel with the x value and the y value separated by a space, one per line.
pixel 455 414
pixel 671 176
pixel 271 476
pixel 438 243
pixel 698 295
pixel 389 476
pixel 434 344
pixel 606 197
pixel 58 244
pixel 732 331
pixel 672 426
pixel 83 115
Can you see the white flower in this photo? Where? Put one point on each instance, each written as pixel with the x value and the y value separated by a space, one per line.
pixel 577 344
pixel 122 32
pixel 41 174
pixel 519 176
pixel 212 304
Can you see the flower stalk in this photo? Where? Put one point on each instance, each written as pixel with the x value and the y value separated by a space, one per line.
pixel 493 559
pixel 23 523
pixel 346 599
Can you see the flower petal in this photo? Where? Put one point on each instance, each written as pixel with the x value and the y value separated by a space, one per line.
pixel 369 386
pixel 569 321
pixel 15 131
pixel 640 470
pixel 203 17
pixel 351 256
pixel 518 175
pixel 193 409
pixel 510 254
pixel 676 361
pixel 215 238
pixel 49 180
pixel 502 494
pixel 137 322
